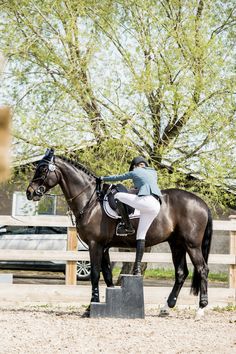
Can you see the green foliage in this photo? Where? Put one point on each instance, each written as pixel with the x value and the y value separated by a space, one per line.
pixel 112 156
pixel 161 273
pixel 229 308
pixel 169 274
pixel 127 77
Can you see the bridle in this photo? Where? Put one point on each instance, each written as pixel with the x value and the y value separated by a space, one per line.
pixel 51 167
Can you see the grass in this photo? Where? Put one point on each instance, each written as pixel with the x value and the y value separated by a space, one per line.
pixel 116 271
pixel 168 274
pixel 228 308
pixel 219 277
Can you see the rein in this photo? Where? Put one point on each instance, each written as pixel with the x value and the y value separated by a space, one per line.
pixel 77 195
pixel 87 205
pixel 97 190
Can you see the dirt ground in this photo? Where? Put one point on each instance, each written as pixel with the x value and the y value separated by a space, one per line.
pixel 51 329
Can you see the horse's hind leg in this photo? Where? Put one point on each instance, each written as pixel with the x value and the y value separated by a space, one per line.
pixel 200 276
pixel 106 268
pixel 181 273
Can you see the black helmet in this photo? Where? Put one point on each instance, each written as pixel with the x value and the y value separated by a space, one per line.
pixel 136 160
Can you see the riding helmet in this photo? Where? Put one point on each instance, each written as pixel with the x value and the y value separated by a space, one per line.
pixel 136 160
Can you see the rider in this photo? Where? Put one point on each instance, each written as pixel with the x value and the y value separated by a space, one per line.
pixel 147 201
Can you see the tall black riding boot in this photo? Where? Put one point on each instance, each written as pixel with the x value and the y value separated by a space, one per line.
pixel 124 227
pixel 140 246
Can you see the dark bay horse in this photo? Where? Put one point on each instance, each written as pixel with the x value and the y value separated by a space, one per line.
pixel 184 221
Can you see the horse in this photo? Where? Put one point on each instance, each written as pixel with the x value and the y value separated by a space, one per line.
pixel 184 221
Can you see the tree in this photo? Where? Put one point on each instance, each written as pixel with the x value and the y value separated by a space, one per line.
pixel 182 70
pixel 155 77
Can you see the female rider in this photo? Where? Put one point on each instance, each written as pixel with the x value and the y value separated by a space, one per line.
pixel 147 201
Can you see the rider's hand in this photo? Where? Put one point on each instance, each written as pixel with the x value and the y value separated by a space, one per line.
pixel 99 179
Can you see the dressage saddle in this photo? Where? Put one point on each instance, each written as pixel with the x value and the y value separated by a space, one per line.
pixel 111 194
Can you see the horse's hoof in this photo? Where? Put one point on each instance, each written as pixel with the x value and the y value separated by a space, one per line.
pixel 86 314
pixel 164 313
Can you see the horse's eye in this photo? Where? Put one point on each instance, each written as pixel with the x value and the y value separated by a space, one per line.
pixel 42 170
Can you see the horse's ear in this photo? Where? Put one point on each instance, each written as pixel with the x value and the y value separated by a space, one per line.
pixel 49 154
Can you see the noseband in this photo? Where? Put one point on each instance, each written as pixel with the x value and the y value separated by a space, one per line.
pixel 51 167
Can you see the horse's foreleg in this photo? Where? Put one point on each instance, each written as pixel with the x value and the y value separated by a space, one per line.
pixel 106 268
pixel 181 273
pixel 96 252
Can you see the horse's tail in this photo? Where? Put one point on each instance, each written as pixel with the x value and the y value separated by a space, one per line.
pixel 206 245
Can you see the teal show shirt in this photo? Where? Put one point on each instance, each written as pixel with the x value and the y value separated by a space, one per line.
pixel 144 179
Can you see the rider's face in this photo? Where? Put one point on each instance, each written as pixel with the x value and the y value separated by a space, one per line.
pixel 141 164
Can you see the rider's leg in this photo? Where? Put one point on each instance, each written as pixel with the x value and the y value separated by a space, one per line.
pixel 149 208
pixel 145 203
pixel 125 228
pixel 145 222
pixel 140 246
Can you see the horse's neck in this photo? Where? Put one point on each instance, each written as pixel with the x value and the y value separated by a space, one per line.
pixel 77 186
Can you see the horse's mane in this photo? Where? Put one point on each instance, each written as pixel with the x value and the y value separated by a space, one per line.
pixel 78 165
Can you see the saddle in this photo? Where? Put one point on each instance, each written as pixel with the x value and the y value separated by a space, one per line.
pixel 111 194
pixel 109 204
pixel 107 199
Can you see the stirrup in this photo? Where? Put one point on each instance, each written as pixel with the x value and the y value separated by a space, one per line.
pixel 122 231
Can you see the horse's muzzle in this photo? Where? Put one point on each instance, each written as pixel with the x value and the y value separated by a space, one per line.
pixel 31 194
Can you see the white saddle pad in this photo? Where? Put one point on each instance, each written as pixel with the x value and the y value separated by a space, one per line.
pixel 113 214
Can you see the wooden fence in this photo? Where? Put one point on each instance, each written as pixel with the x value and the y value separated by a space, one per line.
pixel 71 255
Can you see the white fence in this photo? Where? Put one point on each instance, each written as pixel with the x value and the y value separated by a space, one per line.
pixel 71 256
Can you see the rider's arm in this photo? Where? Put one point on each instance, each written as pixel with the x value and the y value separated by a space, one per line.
pixel 113 178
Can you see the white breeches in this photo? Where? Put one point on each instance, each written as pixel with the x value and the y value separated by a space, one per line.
pixel 148 206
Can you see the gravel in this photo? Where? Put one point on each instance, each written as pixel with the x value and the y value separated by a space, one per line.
pixel 52 329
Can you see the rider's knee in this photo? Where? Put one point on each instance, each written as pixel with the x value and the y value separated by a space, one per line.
pixel 118 195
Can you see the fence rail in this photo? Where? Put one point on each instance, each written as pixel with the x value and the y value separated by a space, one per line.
pixel 74 256
pixel 65 221
pixel 71 256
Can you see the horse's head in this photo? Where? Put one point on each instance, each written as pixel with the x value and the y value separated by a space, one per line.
pixel 45 177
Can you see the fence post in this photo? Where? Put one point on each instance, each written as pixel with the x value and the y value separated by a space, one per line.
pixel 5 141
pixel 232 267
pixel 71 266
